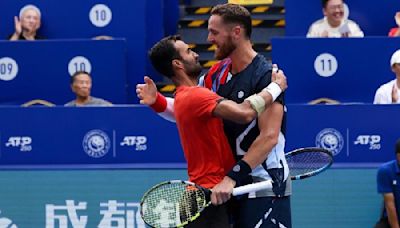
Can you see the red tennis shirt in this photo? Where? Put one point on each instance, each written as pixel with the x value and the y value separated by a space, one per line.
pixel 207 151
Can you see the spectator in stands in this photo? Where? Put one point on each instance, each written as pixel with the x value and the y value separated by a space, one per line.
pixel 334 23
pixel 27 25
pixel 388 180
pixel 389 93
pixel 81 85
pixel 396 30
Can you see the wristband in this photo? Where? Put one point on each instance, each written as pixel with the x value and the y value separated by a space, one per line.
pixel 240 171
pixel 274 89
pixel 257 103
pixel 161 103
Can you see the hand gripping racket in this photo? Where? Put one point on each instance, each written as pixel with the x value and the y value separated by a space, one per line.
pixel 176 203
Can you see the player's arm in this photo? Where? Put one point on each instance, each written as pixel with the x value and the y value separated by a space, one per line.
pixel 148 95
pixel 269 124
pixel 253 105
pixel 391 209
pixel 239 113
pixel 243 112
pixel 271 119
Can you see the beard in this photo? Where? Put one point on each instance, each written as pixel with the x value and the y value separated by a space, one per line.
pixel 225 49
pixel 193 70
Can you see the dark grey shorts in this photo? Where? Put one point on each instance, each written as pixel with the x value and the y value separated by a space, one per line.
pixel 212 217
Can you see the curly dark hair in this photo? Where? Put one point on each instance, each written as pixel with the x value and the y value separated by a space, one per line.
pixel 162 54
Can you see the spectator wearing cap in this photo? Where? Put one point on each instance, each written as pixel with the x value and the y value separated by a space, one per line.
pixel 335 22
pixel 27 24
pixel 389 93
pixel 388 180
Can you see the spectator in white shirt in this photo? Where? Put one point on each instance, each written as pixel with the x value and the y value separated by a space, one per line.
pixel 389 93
pixel 334 23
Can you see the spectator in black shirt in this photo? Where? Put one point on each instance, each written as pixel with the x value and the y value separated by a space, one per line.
pixel 27 25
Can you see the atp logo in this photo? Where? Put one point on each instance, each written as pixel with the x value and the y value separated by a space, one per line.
pixel 139 142
pixel 6 223
pixel 96 143
pixel 373 141
pixel 330 139
pixel 23 142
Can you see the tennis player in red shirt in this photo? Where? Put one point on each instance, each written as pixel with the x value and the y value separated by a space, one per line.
pixel 198 113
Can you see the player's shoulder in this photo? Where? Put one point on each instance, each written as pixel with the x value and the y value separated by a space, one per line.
pixel 195 91
pixel 191 89
pixel 261 67
pixel 190 93
pixel 256 76
pixel 222 64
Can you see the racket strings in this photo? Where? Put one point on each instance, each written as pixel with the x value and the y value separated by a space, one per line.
pixel 172 204
pixel 190 204
pixel 302 163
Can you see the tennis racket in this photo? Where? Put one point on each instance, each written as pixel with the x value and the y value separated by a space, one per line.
pixel 308 162
pixel 176 203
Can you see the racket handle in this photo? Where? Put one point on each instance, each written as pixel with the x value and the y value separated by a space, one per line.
pixel 252 188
